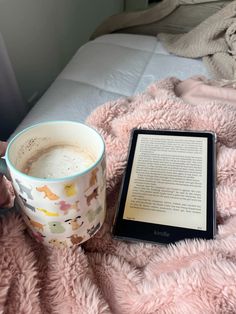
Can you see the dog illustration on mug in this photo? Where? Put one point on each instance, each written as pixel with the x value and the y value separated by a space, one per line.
pixel 35 224
pixel 58 243
pixel 27 205
pixel 92 214
pixel 74 223
pixel 24 189
pixel 75 239
pixel 47 212
pixel 93 178
pixel 56 227
pixel 70 189
pixel 93 229
pixel 38 236
pixel 47 193
pixel 91 196
pixel 65 207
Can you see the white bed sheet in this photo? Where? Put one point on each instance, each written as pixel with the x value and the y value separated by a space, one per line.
pixel 107 68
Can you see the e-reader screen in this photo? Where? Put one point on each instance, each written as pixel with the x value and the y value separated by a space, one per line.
pixel 169 183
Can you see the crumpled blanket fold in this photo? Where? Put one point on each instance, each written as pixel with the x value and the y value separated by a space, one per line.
pixel 214 40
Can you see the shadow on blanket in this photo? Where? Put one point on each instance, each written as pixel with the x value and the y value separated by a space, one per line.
pixel 107 276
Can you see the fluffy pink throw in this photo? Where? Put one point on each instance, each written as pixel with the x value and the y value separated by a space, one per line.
pixel 108 276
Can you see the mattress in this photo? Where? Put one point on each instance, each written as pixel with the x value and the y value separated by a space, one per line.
pixel 107 68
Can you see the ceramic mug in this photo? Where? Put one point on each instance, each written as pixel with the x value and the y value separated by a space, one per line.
pixel 58 212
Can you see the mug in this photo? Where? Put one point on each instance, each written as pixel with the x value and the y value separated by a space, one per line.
pixel 65 211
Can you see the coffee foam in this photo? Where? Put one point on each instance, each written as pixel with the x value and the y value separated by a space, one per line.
pixel 58 161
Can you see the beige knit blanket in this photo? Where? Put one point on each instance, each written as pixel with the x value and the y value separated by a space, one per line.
pixel 214 39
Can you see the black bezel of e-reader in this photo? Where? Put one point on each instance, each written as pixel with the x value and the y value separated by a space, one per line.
pixel 148 232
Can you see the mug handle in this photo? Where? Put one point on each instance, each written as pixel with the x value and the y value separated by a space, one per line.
pixel 3 169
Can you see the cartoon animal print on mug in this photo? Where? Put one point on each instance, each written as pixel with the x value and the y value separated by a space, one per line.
pixel 70 189
pixel 38 236
pixel 74 223
pixel 48 213
pixel 93 178
pixel 56 227
pixel 36 224
pixel 58 243
pixel 93 230
pixel 77 206
pixel 75 239
pixel 64 206
pixel 92 196
pixel 47 193
pixel 92 214
pixel 24 189
pixel 26 204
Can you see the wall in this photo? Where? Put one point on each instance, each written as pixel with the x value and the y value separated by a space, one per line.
pixel 42 35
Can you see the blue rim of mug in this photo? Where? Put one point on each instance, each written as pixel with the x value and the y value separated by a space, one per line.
pixel 68 178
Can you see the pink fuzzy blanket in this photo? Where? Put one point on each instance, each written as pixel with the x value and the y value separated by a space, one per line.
pixel 110 276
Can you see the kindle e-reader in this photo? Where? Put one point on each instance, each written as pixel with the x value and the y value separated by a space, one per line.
pixel 168 189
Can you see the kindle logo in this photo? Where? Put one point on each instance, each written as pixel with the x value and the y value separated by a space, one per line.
pixel 161 233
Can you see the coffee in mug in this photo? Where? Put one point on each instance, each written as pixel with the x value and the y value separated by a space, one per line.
pixel 58 161
pixel 58 173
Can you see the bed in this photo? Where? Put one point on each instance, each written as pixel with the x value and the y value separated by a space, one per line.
pixel 141 84
pixel 107 68
pixel 127 54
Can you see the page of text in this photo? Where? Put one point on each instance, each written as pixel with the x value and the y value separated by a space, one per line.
pixel 168 183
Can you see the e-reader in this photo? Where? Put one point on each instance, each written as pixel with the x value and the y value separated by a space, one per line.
pixel 168 189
